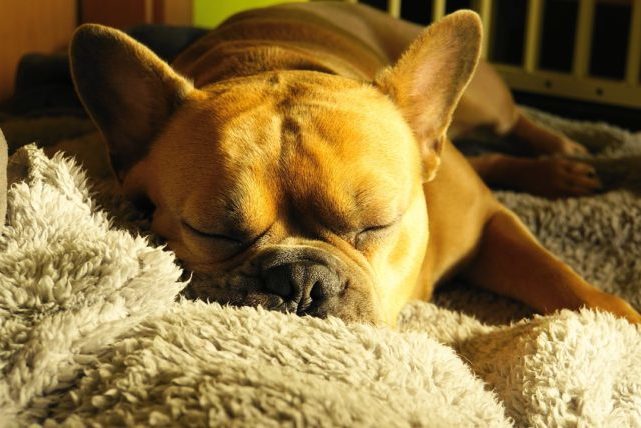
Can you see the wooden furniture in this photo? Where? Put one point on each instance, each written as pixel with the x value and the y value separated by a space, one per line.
pixel 31 26
pixel 125 13
pixel 47 25
pixel 528 74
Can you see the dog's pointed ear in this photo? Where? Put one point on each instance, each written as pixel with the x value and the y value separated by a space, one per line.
pixel 428 80
pixel 127 90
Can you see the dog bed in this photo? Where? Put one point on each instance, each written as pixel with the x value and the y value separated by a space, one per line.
pixel 93 330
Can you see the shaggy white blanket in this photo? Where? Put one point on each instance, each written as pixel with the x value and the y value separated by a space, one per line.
pixel 92 331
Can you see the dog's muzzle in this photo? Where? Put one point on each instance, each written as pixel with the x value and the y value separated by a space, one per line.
pixel 301 279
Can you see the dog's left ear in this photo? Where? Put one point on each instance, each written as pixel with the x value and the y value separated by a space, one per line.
pixel 428 80
pixel 127 90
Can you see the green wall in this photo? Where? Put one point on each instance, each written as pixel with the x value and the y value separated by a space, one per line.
pixel 209 13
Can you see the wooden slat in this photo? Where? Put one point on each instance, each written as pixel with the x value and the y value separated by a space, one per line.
pixel 438 9
pixel 532 35
pixel 633 67
pixel 394 8
pixel 485 9
pixel 569 86
pixel 583 40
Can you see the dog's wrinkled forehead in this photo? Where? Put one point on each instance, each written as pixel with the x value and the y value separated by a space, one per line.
pixel 296 126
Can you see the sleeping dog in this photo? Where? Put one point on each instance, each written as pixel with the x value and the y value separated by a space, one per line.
pixel 297 158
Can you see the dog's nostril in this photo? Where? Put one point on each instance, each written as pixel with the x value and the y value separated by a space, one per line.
pixel 316 292
pixel 278 281
pixel 283 289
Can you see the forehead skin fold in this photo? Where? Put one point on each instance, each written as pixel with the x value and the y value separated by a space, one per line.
pixel 279 136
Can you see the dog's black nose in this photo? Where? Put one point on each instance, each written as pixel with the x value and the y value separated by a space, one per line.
pixel 302 284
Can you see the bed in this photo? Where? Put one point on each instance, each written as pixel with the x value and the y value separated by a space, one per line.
pixel 94 330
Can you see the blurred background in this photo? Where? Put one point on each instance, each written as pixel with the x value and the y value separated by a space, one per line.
pixel 576 58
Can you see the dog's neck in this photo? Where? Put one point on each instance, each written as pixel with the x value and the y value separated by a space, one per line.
pixel 250 44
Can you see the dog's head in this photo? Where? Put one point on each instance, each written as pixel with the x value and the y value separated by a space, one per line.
pixel 294 190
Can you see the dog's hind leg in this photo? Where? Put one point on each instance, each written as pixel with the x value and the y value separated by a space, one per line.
pixel 511 262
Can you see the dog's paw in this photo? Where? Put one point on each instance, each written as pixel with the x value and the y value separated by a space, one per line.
pixel 554 177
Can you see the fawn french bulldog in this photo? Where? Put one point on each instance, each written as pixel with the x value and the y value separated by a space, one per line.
pixel 297 158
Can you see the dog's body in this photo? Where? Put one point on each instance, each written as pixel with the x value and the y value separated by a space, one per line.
pixel 299 169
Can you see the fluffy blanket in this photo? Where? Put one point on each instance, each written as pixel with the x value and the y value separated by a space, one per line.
pixel 93 331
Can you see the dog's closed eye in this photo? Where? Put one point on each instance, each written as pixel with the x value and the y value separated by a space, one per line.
pixel 210 235
pixel 372 233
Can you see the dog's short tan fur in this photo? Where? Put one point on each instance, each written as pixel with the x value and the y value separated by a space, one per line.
pixel 298 153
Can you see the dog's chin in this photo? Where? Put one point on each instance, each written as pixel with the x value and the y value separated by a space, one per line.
pixel 353 305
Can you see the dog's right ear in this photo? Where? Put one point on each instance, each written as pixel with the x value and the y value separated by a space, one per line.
pixel 127 90
pixel 428 80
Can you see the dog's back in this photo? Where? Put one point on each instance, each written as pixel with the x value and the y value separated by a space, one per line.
pixel 291 37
